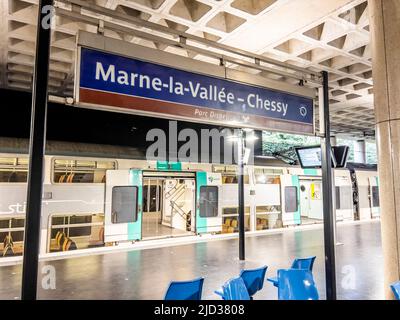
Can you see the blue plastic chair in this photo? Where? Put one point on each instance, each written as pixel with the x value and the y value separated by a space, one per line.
pixel 303 263
pixel 298 263
pixel 396 289
pixel 254 279
pixel 296 284
pixel 234 289
pixel 185 290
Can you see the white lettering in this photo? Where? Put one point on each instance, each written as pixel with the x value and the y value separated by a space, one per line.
pixel 179 89
pixel 142 79
pixel 194 90
pixel 250 100
pixel 203 93
pixel 123 78
pixel 100 71
pixel 222 96
pixel 156 84
pixel 273 106
pixel 230 97
pixel 285 107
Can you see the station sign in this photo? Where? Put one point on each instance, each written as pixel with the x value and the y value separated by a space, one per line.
pixel 143 87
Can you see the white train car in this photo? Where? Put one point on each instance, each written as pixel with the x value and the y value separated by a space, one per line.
pixel 366 191
pixel 101 200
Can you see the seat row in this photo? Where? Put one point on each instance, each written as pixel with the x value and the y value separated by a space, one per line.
pixel 10 248
pixel 295 283
pixel 64 243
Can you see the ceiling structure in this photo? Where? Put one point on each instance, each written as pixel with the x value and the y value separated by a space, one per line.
pixel 330 35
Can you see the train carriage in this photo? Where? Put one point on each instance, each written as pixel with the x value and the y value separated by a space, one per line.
pixel 110 195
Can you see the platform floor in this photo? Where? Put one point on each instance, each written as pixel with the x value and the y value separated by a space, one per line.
pixel 159 230
pixel 145 274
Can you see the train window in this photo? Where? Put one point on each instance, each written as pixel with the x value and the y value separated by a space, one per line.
pixel 230 222
pixel 267 217
pixel 337 196
pixel 81 171
pixel 375 196
pixel 208 201
pixel 291 201
pixel 124 204
pixel 11 236
pixel 229 174
pixel 86 230
pixel 229 178
pixel 13 170
pixel 267 176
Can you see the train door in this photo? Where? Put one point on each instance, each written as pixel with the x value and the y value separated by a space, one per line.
pixel 123 206
pixel 169 205
pixel 290 199
pixel 152 207
pixel 305 203
pixel 178 205
pixel 374 196
pixel 310 201
pixel 208 211
pixel 343 196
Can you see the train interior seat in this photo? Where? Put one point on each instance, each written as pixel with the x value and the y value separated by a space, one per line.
pixel 98 242
pixel 8 246
pixel 69 244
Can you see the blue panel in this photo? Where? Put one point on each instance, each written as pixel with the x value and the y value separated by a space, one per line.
pixel 130 77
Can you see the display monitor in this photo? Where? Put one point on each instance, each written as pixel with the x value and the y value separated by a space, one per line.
pixel 311 157
pixel 341 155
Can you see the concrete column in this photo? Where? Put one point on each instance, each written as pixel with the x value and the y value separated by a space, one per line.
pixel 360 151
pixel 385 26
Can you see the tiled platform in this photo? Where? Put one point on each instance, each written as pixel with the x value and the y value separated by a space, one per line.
pixel 145 274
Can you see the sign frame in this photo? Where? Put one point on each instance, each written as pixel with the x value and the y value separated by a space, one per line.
pixel 112 46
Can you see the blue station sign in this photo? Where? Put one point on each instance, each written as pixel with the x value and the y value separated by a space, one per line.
pixel 120 82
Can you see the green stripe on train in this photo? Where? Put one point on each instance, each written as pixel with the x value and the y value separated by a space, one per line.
pixel 135 228
pixel 201 223
pixel 311 172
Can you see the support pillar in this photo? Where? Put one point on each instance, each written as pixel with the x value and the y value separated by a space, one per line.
pixel 385 26
pixel 327 192
pixel 242 248
pixel 36 153
pixel 360 151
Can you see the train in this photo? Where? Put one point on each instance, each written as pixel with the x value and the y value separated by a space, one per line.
pixel 101 195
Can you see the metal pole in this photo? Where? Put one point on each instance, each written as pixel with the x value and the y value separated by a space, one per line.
pixel 329 216
pixel 36 153
pixel 242 255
